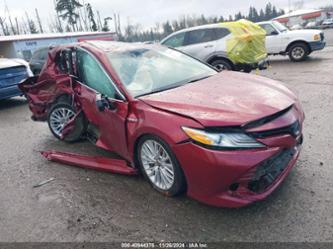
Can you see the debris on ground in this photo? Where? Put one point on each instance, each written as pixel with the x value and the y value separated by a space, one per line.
pixel 44 183
pixel 100 163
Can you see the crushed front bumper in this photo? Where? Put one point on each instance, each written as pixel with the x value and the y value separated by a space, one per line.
pixel 236 178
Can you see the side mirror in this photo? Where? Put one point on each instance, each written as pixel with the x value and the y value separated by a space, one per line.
pixel 102 102
pixel 274 33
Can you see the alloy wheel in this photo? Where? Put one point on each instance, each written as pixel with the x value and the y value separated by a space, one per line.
pixel 221 67
pixel 298 53
pixel 157 164
pixel 59 118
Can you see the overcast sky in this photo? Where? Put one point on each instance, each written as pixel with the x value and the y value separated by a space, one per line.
pixel 148 12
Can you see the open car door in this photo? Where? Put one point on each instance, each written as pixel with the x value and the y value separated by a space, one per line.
pixel 101 103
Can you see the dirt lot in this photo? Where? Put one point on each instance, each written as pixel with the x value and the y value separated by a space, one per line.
pixel 83 205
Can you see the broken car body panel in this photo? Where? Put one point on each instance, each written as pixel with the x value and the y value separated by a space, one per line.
pixel 42 94
pixel 90 162
pixel 226 102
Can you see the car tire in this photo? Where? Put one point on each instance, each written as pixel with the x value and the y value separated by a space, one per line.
pixel 247 69
pixel 222 65
pixel 67 112
pixel 163 171
pixel 298 52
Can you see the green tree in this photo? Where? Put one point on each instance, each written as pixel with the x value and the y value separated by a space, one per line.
pixel 106 24
pixel 32 27
pixel 268 11
pixel 262 15
pixel 238 16
pixel 167 28
pixel 67 10
pixel 253 15
pixel 91 17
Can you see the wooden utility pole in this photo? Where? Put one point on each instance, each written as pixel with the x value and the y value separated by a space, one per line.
pixel 2 24
pixel 39 22
pixel 115 23
pixel 99 21
pixel 9 18
pixel 17 26
pixel 85 17
pixel 119 29
pixel 58 21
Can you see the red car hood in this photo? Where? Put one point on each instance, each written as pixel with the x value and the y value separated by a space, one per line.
pixel 226 99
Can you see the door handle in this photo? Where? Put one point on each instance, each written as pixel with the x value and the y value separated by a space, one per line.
pixel 208 46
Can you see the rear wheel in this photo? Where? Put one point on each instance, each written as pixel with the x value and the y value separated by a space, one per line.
pixel 160 166
pixel 59 115
pixel 298 52
pixel 222 64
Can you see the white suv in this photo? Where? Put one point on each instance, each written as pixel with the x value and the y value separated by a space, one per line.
pixel 208 43
pixel 298 44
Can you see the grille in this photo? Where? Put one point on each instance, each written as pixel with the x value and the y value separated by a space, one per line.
pixel 270 170
pixel 293 129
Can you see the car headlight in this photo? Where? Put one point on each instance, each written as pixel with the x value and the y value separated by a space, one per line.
pixel 223 140
pixel 316 37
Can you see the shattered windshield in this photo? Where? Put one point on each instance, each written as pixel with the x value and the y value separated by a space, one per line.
pixel 148 70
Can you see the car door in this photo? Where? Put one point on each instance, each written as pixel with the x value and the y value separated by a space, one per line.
pixel 175 41
pixel 273 39
pixel 110 123
pixel 200 43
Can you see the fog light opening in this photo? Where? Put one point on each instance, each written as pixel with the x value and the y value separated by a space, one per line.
pixel 233 187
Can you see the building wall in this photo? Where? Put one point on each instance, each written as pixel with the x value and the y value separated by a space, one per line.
pixel 25 48
pixel 7 50
pixel 294 20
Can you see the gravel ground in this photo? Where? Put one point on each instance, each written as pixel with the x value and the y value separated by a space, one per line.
pixel 82 205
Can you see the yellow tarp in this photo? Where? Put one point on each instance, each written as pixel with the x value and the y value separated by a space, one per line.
pixel 247 44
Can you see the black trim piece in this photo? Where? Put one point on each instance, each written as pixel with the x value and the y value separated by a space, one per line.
pixel 218 148
pixel 267 119
pixel 293 129
pixel 252 124
pixel 229 129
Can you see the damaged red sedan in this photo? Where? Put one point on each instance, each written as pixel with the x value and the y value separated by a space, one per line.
pixel 226 139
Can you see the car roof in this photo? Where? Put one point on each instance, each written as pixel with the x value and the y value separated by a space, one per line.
pixel 264 22
pixel 115 46
pixel 207 26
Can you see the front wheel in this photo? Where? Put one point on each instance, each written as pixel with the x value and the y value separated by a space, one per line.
pixel 160 166
pixel 222 65
pixel 298 52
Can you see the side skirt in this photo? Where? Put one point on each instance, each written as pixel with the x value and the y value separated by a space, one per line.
pixel 99 163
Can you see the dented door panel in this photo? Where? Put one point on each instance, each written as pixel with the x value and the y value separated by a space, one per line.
pixel 110 123
pixel 42 94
